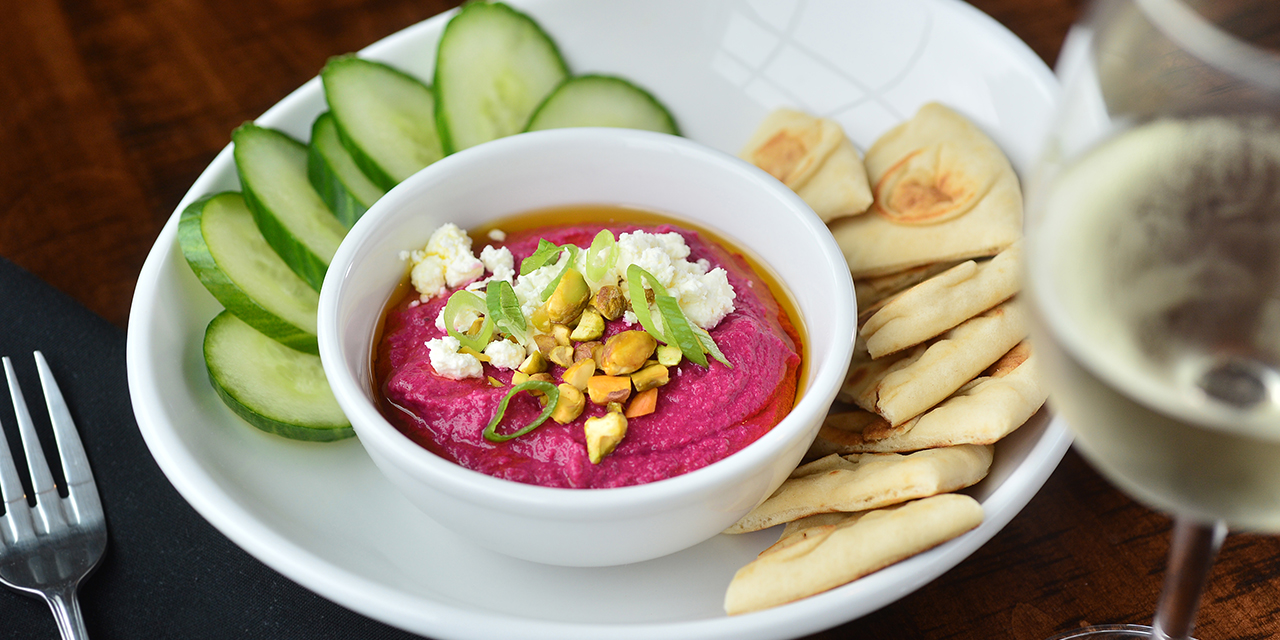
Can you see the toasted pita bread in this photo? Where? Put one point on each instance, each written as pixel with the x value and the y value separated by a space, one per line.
pixel 904 385
pixel 791 146
pixel 833 551
pixel 874 292
pixel 840 188
pixel 943 191
pixel 815 159
pixel 942 302
pixel 982 412
pixel 867 481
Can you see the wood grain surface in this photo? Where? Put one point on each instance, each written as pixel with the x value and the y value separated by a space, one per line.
pixel 109 109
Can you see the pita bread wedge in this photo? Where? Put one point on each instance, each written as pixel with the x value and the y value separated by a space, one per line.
pixel 943 191
pixel 840 188
pixel 863 372
pixel 836 551
pixel 815 159
pixel 799 530
pixel 942 302
pixel 916 379
pixel 982 412
pixel 874 292
pixel 861 482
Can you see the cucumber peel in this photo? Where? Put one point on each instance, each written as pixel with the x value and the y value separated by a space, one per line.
pixel 272 387
pixel 334 173
pixel 386 118
pixel 296 223
pixel 602 101
pixel 227 252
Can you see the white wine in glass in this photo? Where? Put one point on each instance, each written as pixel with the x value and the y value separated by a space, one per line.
pixel 1154 268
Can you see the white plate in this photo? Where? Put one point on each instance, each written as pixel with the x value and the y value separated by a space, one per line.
pixel 323 516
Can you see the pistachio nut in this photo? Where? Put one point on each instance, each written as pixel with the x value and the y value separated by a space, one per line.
pixel 650 377
pixel 579 373
pixel 590 326
pixel 570 297
pixel 570 404
pixel 626 352
pixel 561 355
pixel 603 435
pixel 535 363
pixel 669 355
pixel 609 302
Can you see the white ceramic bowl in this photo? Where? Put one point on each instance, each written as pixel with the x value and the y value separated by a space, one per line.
pixel 588 527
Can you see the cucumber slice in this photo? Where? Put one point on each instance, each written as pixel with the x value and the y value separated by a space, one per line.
pixel 294 220
pixel 386 118
pixel 334 174
pixel 226 250
pixel 271 386
pixel 494 67
pixel 602 101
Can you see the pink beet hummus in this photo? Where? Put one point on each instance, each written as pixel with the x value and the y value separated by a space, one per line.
pixel 702 414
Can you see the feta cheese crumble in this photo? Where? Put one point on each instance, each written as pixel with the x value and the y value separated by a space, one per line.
pixel 446 261
pixel 704 294
pixel 448 363
pixel 504 354
pixel 498 262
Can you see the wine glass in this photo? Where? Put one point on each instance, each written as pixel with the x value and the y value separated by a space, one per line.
pixel 1154 269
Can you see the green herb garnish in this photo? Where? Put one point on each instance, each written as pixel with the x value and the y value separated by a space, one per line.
pixel 636 275
pixel 464 300
pixel 553 396
pixel 680 330
pixel 546 252
pixel 694 341
pixel 503 306
pixel 601 256
pixel 709 345
pixel 573 257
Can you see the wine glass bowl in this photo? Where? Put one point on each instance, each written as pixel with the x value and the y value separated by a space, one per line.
pixel 1154 269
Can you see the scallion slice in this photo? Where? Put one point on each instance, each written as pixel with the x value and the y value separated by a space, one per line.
pixel 680 330
pixel 503 306
pixel 464 300
pixel 573 257
pixel 709 345
pixel 694 341
pixel 601 256
pixel 636 276
pixel 553 396
pixel 546 252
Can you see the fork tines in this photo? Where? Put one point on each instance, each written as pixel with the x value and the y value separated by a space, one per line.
pixel 82 506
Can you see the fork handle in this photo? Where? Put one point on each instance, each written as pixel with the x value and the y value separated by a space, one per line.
pixel 66 611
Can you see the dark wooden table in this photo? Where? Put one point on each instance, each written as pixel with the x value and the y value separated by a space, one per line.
pixel 109 109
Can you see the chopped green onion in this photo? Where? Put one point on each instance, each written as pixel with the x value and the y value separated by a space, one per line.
pixel 503 306
pixel 573 257
pixel 553 396
pixel 545 253
pixel 680 330
pixel 602 256
pixel 709 345
pixel 464 300
pixel 694 341
pixel 636 275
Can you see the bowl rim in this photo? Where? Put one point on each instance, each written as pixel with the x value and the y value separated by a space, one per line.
pixel 574 503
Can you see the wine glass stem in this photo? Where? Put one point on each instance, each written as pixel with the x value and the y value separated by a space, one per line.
pixel 1191 553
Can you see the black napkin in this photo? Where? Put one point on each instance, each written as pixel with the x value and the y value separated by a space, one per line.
pixel 167 572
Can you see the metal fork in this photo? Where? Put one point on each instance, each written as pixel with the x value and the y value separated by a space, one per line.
pixel 46 550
